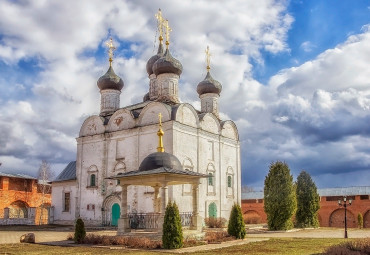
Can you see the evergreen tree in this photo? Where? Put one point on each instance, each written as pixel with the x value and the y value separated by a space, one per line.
pixel 360 220
pixel 279 197
pixel 308 202
pixel 172 237
pixel 80 232
pixel 236 226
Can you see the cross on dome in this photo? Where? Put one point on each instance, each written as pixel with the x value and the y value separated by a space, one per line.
pixel 160 21
pixel 208 58
pixel 168 30
pixel 111 49
pixel 160 134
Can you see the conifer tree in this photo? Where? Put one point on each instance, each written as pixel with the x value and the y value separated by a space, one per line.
pixel 80 232
pixel 172 237
pixel 360 220
pixel 236 226
pixel 279 197
pixel 308 202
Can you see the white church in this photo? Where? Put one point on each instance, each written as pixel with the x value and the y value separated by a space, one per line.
pixel 132 160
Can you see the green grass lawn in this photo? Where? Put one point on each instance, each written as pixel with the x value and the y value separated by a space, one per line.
pixel 272 246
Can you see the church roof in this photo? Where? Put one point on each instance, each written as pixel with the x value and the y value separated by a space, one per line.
pixel 23 176
pixel 160 170
pixel 160 159
pixel 69 173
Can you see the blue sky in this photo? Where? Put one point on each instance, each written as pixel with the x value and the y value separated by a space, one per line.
pixel 295 75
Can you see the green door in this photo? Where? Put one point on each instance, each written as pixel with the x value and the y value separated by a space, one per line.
pixel 116 211
pixel 212 210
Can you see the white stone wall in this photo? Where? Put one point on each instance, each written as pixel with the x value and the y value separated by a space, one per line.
pixel 209 103
pixel 109 100
pixel 166 87
pixel 59 188
pixel 204 145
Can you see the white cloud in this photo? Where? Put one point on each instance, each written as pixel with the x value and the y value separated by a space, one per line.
pixel 307 46
pixel 44 122
pixel 307 115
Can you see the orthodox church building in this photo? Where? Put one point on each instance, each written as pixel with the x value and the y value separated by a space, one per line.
pixel 132 160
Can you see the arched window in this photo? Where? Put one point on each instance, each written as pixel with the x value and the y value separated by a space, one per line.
pixel 211 187
pixel 210 179
pixel 92 177
pixel 229 181
pixel 92 180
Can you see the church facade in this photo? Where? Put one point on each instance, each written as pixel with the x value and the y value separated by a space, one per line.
pixel 118 139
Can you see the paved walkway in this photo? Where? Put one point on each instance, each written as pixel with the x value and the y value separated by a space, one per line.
pixel 58 236
pixel 312 233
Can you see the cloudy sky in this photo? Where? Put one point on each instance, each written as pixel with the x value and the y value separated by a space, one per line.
pixel 295 75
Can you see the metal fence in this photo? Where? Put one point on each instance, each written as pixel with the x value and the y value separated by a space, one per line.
pixel 186 219
pixel 143 220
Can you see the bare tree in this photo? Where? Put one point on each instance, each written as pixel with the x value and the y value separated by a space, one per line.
pixel 246 189
pixel 44 176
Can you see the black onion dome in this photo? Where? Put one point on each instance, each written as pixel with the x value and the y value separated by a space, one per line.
pixel 160 159
pixel 153 59
pixel 209 85
pixel 167 64
pixel 110 81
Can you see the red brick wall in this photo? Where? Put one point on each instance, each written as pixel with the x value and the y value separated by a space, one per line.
pixel 330 214
pixel 23 190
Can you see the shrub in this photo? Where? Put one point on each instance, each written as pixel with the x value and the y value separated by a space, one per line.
pixel 360 220
pixel 80 232
pixel 252 219
pixel 128 241
pixel 218 236
pixel 214 222
pixel 358 247
pixel 172 230
pixel 280 198
pixel 236 225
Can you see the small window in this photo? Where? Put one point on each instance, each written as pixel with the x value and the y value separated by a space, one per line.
pixel 210 179
pixel 67 201
pixel 92 180
pixel 229 181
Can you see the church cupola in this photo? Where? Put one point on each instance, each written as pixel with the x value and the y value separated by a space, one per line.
pixel 167 71
pixel 209 90
pixel 110 86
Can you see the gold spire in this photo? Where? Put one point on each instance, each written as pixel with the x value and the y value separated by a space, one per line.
pixel 160 22
pixel 111 49
pixel 208 58
pixel 160 133
pixel 168 30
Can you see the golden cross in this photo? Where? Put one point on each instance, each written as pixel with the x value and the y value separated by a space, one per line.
pixel 110 50
pixel 168 30
pixel 160 119
pixel 160 21
pixel 208 58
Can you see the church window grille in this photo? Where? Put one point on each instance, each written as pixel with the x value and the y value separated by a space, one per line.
pixel 93 180
pixel 210 179
pixel 66 202
pixel 229 181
